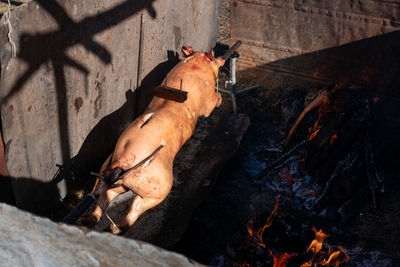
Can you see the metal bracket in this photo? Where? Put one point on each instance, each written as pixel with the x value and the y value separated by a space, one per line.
pixel 232 81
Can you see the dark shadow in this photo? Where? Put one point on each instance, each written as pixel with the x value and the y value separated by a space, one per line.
pixel 45 201
pixel 6 192
pixel 145 91
pixel 102 139
pixel 371 62
pixel 41 48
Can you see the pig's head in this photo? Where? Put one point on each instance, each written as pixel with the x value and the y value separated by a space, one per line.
pixel 208 57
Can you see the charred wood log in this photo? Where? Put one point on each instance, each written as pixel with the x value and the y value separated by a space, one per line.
pixel 299 148
pixel 341 123
pixel 314 104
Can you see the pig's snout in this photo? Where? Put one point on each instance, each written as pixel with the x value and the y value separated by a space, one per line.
pixel 220 61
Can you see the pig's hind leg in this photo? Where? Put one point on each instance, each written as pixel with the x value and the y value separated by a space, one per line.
pixel 215 102
pixel 138 207
pixel 218 99
pixel 143 200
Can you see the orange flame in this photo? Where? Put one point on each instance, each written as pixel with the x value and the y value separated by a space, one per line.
pixel 316 244
pixel 312 136
pixel 259 233
pixel 280 260
pixel 334 258
pixel 333 138
pixel 319 257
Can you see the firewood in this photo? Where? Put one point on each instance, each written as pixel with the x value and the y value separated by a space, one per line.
pixel 315 103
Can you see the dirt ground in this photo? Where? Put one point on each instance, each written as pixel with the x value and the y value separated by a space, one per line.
pixel 224 26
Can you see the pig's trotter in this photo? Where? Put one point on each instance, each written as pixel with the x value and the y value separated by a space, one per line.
pixel 105 199
pixel 114 229
pixel 139 206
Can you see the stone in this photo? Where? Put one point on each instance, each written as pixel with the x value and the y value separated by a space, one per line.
pixel 29 240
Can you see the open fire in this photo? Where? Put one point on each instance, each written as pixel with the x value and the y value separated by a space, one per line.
pixel 326 165
pixel 336 155
pixel 318 253
pixel 327 171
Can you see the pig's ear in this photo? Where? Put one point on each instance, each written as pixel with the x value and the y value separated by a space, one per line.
pixel 210 54
pixel 187 51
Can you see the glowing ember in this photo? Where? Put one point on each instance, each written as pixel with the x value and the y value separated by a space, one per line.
pixel 325 106
pixel 312 136
pixel 333 138
pixel 285 175
pixel 281 260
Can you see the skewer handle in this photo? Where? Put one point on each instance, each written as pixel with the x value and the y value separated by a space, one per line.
pixel 232 50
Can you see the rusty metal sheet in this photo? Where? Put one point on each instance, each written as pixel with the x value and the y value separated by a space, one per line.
pixel 291 39
pixel 70 90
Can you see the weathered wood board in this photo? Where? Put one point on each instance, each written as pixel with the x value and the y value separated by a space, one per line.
pixel 314 41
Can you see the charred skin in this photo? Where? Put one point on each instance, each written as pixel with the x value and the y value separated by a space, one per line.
pixel 166 123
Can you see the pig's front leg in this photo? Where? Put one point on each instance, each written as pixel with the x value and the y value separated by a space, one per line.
pixel 105 199
pixel 214 101
pixel 219 99
pixel 106 196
